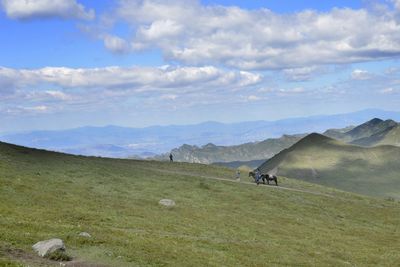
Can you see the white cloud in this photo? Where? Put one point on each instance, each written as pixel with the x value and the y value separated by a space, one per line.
pixel 284 91
pixel 358 74
pixel 169 97
pixel 66 89
pixel 32 9
pixel 391 70
pixel 38 108
pixel 160 29
pixel 40 95
pixel 134 78
pixel 389 90
pixel 302 74
pixel 29 110
pixel 291 91
pixel 396 4
pixel 116 44
pixel 192 33
pixel 58 95
pixel 265 90
pixel 253 98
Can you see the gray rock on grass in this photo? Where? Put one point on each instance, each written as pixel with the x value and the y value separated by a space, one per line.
pixel 46 247
pixel 85 234
pixel 167 202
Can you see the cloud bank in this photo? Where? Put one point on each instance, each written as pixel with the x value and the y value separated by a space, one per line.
pixel 137 78
pixel 195 34
pixel 37 9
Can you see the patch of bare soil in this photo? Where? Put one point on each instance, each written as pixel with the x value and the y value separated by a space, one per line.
pixel 31 259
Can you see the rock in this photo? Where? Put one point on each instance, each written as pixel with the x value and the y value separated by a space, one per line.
pixel 85 234
pixel 167 202
pixel 46 247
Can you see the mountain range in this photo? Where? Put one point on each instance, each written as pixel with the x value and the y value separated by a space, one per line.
pixel 115 141
pixel 211 153
pixel 371 133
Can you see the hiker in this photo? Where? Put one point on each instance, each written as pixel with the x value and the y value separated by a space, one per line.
pixel 258 175
pixel 238 175
pixel 171 157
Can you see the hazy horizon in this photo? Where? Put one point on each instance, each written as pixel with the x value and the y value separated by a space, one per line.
pixel 201 122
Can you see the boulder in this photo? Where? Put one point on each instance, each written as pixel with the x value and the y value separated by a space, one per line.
pixel 85 234
pixel 167 202
pixel 46 247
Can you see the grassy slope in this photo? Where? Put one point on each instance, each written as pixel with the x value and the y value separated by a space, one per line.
pixel 250 165
pixel 318 159
pixel 215 223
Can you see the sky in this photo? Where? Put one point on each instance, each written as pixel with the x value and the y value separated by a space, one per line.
pixel 71 63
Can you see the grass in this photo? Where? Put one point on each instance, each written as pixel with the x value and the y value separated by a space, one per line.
pixel 215 223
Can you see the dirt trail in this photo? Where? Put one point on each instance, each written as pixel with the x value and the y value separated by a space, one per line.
pixel 272 187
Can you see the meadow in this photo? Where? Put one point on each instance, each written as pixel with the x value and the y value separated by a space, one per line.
pixel 214 223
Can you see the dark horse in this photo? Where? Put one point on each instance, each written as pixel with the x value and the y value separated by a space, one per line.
pixel 265 177
pixel 271 177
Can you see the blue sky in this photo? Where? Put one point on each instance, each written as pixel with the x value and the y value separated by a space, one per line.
pixel 137 63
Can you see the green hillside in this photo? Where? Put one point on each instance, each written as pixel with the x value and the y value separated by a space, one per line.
pixel 217 221
pixel 322 160
pixel 211 153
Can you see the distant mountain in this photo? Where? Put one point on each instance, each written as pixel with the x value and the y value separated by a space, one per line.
pixel 322 160
pixel 114 141
pixel 211 153
pixel 339 134
pixel 371 133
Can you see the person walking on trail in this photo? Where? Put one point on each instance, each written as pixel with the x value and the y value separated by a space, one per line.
pixel 171 158
pixel 238 175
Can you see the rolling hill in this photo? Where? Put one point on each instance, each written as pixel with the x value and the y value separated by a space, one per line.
pixel 211 153
pixel 216 221
pixel 322 160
